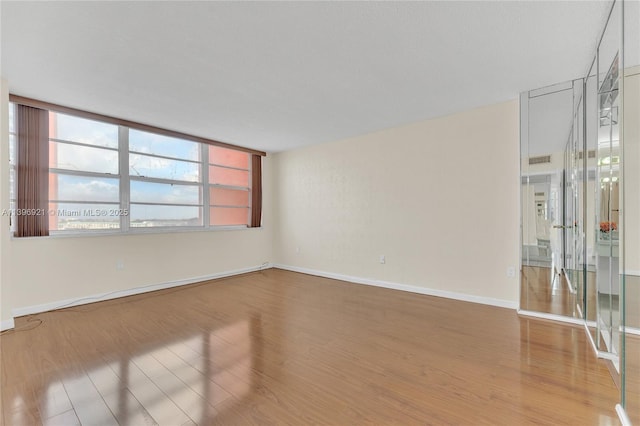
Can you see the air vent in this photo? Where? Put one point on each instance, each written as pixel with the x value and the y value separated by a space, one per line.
pixel 540 160
pixel 539 194
pixel 590 154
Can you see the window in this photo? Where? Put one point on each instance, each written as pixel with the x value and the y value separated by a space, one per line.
pixel 12 163
pixel 84 175
pixel 108 177
pixel 229 187
pixel 165 181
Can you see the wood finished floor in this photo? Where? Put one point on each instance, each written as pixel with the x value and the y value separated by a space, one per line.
pixel 277 347
pixel 538 293
pixel 632 383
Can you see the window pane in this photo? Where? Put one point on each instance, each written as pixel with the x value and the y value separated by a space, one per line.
pixel 78 216
pixel 224 176
pixel 150 143
pixel 12 184
pixel 82 158
pixel 76 129
pixel 228 157
pixel 12 114
pixel 144 216
pixel 80 188
pixel 163 168
pixel 228 197
pixel 12 219
pixel 12 149
pixel 229 216
pixel 164 193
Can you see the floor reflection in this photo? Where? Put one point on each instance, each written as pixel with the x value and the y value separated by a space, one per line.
pixel 632 377
pixel 157 379
pixel 563 341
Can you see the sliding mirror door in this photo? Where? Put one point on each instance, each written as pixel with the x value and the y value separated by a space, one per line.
pixel 550 200
pixel 573 228
pixel 608 176
pixel 591 229
pixel 580 204
pixel 630 229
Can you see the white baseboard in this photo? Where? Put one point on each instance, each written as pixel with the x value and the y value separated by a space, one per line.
pixel 7 324
pixel 630 330
pixel 28 310
pixel 622 415
pixel 552 317
pixel 403 287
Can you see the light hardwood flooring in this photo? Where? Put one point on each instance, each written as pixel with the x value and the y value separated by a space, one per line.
pixel 541 291
pixel 277 347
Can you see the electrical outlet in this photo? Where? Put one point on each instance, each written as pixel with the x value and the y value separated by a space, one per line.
pixel 120 265
pixel 297 250
pixel 511 272
pixel 383 259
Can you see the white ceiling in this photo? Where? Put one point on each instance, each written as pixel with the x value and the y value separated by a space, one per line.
pixel 275 76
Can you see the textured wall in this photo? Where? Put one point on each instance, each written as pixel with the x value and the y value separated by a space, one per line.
pixel 439 198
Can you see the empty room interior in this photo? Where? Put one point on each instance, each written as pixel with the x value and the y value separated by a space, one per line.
pixel 332 213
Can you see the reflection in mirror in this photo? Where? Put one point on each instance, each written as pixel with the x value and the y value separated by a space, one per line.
pixel 607 337
pixel 591 140
pixel 580 204
pixel 547 121
pixel 630 229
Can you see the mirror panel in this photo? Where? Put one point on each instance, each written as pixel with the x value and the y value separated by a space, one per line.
pixel 588 299
pixel 608 194
pixel 546 118
pixel 630 229
pixel 580 203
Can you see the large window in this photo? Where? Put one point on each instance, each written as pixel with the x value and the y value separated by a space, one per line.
pixel 106 177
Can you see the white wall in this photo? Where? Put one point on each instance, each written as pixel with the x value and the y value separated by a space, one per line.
pixel 439 198
pixel 46 270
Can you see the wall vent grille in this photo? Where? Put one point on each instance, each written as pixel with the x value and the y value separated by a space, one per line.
pixel 590 154
pixel 540 160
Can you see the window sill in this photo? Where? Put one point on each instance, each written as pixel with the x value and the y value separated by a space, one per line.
pixel 139 231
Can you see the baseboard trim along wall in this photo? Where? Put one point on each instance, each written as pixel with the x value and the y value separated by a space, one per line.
pixel 622 415
pixel 403 287
pixel 28 310
pixel 553 317
pixel 630 330
pixel 7 324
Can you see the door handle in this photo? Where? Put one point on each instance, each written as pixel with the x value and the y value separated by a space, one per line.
pixel 561 227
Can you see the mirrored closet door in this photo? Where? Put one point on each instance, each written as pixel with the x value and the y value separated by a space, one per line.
pixel 571 162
